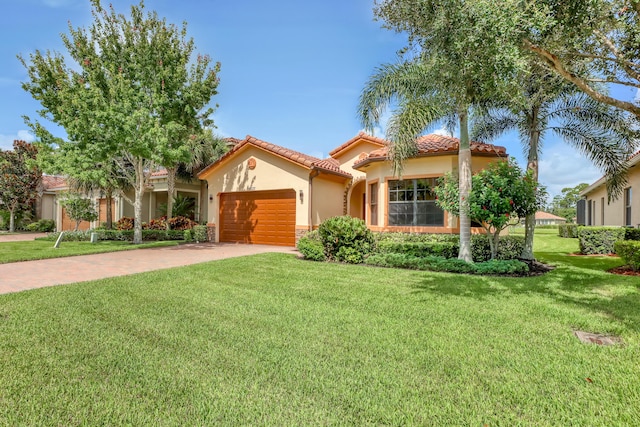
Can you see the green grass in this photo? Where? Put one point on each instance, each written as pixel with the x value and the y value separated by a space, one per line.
pixel 42 249
pixel 274 340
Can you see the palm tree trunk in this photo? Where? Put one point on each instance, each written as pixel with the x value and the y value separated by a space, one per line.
pixel 532 165
pixel 464 171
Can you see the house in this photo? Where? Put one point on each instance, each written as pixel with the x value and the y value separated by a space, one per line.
pixel 260 192
pixel 594 209
pixel 546 218
pixel 155 196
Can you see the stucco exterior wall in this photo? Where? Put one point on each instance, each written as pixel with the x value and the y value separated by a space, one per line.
pixel 271 173
pixel 48 206
pixel 614 212
pixel 327 199
pixel 348 157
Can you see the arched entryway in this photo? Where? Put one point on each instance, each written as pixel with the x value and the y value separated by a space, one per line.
pixel 357 200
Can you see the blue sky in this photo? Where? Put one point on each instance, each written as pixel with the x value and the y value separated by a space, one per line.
pixel 291 74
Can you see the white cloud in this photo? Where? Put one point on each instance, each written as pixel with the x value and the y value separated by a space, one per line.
pixel 562 166
pixel 6 141
pixel 59 3
pixel 442 131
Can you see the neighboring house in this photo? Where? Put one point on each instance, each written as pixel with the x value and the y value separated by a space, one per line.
pixel 594 209
pixel 155 196
pixel 546 218
pixel 264 193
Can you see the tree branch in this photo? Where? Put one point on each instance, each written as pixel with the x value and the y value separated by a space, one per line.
pixel 621 59
pixel 556 64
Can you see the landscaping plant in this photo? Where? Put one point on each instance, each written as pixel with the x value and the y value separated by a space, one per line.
pixel 501 195
pixel 346 239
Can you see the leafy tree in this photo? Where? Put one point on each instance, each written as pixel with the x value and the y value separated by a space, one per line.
pixel 130 96
pixel 459 54
pixel 501 195
pixel 565 204
pixel 19 179
pixel 587 43
pixel 78 208
pixel 545 104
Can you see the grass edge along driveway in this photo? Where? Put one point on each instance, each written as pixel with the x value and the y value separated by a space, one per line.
pixel 31 250
pixel 271 339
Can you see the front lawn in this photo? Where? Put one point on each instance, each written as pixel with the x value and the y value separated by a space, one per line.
pixel 274 340
pixel 42 249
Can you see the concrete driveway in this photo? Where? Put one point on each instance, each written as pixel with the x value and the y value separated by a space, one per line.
pixel 19 237
pixel 20 276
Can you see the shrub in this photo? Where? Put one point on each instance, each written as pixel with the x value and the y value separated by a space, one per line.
pixel 450 265
pixel 346 239
pixel 125 223
pixel 415 237
pixel 310 246
pixel 509 247
pixel 181 223
pixel 599 240
pixel 118 235
pixel 632 234
pixel 43 225
pixel 629 251
pixel 69 236
pixel 568 230
pixel 420 249
pixel 200 233
pixel 187 236
pixel 158 223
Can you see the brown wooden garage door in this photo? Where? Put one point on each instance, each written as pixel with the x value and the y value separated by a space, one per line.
pixel 68 224
pixel 261 217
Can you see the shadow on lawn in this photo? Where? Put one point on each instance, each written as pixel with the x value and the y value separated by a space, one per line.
pixel 577 281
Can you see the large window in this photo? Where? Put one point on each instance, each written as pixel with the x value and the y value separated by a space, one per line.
pixel 412 203
pixel 627 206
pixel 373 203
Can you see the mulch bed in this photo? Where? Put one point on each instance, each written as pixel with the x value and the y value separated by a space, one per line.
pixel 625 270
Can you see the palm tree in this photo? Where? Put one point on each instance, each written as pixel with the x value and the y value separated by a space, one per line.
pixel 203 149
pixel 546 104
pixel 425 94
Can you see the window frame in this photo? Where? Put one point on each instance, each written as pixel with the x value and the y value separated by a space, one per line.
pixel 421 196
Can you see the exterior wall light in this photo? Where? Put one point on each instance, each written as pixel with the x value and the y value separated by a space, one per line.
pixel 301 196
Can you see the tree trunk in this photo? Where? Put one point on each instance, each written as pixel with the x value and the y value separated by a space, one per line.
pixel 171 188
pixel 137 204
pixel 12 220
pixel 464 172
pixel 109 213
pixel 494 241
pixel 532 165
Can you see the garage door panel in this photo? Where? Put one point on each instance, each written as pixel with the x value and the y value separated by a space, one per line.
pixel 261 217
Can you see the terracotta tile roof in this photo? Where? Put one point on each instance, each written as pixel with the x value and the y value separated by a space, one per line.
pixel 53 181
pixel 431 145
pixel 547 215
pixel 327 165
pixel 358 137
pixel 158 173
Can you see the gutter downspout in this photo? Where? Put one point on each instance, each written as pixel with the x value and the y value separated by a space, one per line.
pixel 314 173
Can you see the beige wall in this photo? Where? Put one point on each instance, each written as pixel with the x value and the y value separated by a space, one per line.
pixel 49 206
pixel 348 157
pixel 614 211
pixel 423 167
pixel 328 198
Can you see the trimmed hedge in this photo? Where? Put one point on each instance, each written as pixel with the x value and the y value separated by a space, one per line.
pixel 120 235
pixel 631 233
pixel 629 251
pixel 450 265
pixel 419 249
pixel 568 230
pixel 599 240
pixel 448 245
